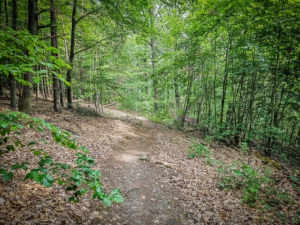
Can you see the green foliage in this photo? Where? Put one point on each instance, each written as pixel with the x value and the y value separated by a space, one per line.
pixel 257 186
pixel 297 219
pixel 78 180
pixel 213 162
pixel 21 51
pixel 296 182
pixel 198 150
pixel 246 177
pixel 245 148
pixel 282 216
pixel 161 116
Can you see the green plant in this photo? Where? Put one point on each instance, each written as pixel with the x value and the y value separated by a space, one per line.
pixel 198 150
pixel 282 216
pixel 244 176
pixel 209 138
pixel 296 182
pixel 77 180
pixel 245 148
pixel 297 219
pixel 161 116
pixel 213 162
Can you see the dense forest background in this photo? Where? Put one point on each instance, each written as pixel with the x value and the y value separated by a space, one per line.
pixel 230 69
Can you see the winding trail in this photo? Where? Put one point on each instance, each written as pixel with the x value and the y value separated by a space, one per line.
pixel 147 199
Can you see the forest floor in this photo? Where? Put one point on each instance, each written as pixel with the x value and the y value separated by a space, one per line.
pixel 149 163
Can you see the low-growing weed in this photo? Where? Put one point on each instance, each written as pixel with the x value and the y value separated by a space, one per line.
pixel 242 175
pixel 198 150
pixel 245 148
pixel 213 162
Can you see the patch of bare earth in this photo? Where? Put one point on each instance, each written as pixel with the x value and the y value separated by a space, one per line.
pixel 148 162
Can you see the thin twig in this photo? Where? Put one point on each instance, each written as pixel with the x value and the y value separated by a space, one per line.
pixel 132 189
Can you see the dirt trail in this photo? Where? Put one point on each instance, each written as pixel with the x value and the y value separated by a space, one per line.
pixel 147 200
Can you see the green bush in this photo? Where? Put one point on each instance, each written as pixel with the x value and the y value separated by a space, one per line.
pixel 255 184
pixel 198 150
pixel 77 180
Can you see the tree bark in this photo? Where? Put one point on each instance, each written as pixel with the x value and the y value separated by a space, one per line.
pixel 228 47
pixel 153 73
pixel 72 55
pixel 6 13
pixel 11 77
pixel 25 105
pixel 54 43
pixel 1 75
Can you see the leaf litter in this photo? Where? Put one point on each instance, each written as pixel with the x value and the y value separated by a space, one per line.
pixel 167 188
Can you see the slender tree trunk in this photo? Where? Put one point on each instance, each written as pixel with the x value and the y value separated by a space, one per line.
pixel 215 79
pixel 1 14
pixel 1 75
pixel 25 105
pixel 146 79
pixel 72 55
pixel 6 13
pixel 54 43
pixel 11 77
pixel 61 96
pixel 187 99
pixel 153 73
pixel 273 96
pixel 228 47
pixel 176 91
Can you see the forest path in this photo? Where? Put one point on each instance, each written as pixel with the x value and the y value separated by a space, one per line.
pixel 130 166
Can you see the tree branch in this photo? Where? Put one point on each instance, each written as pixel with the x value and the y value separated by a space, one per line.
pixel 44 26
pixel 42 11
pixel 87 14
pixel 93 45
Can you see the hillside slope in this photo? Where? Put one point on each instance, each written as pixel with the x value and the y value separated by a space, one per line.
pixel 149 163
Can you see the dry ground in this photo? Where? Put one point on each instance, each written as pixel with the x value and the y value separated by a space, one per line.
pixel 169 189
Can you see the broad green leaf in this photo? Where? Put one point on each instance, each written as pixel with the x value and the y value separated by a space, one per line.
pixel 115 191
pixel 2 171
pixel 107 200
pixel 20 166
pixel 7 176
pixel 117 198
pixel 3 124
pixel 32 143
pixel 238 173
pixel 45 179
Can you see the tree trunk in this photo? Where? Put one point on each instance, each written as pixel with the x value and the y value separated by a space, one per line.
pixel 54 43
pixel 6 13
pixel 72 55
pixel 273 98
pixel 1 75
pixel 11 77
pixel 228 47
pixel 61 97
pixel 176 90
pixel 1 14
pixel 25 105
pixel 153 73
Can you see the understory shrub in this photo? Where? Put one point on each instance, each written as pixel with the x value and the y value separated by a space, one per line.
pixel 77 180
pixel 257 185
pixel 198 150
